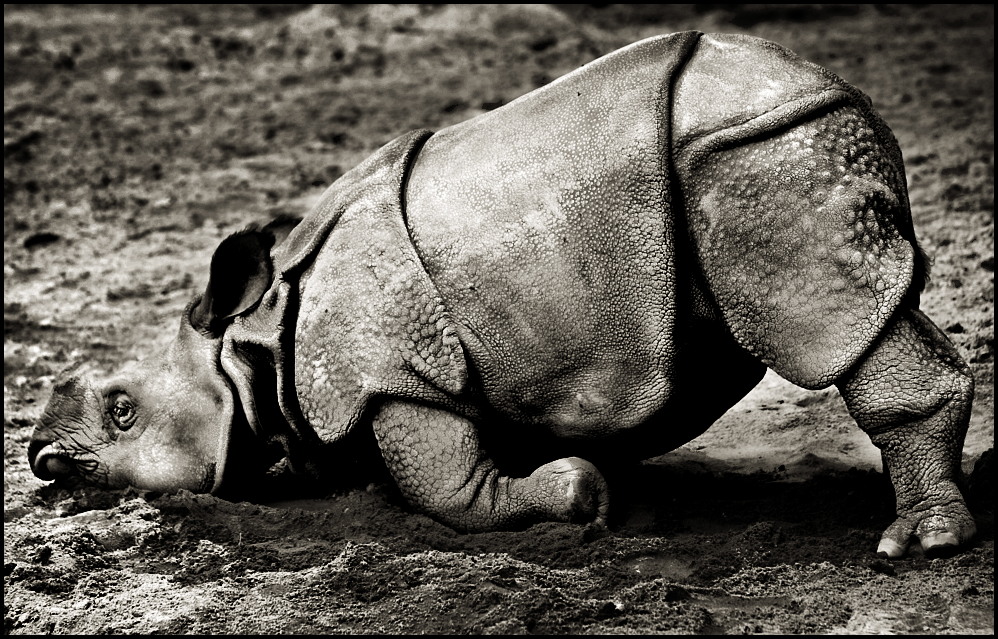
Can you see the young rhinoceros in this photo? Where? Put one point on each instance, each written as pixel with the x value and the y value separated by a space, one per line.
pixel 603 266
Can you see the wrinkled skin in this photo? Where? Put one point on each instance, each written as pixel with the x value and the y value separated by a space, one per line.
pixel 156 425
pixel 555 283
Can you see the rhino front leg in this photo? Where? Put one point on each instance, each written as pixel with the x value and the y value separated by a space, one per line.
pixel 912 394
pixel 435 458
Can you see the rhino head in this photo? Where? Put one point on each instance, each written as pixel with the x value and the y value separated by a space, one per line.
pixel 164 424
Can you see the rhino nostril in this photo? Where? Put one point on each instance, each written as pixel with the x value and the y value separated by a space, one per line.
pixel 54 466
pixel 34 448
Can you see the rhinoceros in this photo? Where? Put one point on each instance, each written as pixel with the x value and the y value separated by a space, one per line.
pixel 596 270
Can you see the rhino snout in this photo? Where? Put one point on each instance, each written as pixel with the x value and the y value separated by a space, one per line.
pixel 48 462
pixel 47 454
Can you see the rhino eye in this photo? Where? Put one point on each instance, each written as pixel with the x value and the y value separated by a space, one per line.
pixel 122 411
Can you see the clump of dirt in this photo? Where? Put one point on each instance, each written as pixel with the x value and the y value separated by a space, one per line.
pixel 137 137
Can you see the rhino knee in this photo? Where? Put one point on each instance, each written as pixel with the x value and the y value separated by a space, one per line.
pixel 912 374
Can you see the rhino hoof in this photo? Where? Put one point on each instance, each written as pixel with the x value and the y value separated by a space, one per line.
pixel 940 530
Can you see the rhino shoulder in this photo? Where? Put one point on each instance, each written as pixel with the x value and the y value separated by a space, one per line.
pixel 350 315
pixel 370 321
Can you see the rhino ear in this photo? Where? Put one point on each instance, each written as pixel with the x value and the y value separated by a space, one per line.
pixel 241 272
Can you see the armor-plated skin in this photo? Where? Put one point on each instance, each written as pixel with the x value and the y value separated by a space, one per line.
pixel 597 270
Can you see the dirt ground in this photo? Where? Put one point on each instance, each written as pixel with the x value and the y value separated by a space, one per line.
pixel 136 138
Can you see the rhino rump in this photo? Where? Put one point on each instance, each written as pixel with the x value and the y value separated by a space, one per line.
pixel 796 205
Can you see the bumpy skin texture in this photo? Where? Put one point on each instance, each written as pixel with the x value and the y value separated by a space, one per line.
pixel 563 277
pixel 804 237
pixel 796 205
pixel 567 269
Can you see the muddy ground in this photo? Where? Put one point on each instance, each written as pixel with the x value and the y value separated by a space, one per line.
pixel 136 138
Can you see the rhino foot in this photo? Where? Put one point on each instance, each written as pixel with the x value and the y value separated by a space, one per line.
pixel 912 394
pixel 436 460
pixel 941 530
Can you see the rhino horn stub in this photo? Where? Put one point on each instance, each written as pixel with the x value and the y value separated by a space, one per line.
pixel 241 272
pixel 66 397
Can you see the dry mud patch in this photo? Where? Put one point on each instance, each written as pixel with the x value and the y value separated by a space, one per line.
pixel 135 138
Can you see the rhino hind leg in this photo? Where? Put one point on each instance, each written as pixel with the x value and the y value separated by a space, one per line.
pixel 437 463
pixel 912 394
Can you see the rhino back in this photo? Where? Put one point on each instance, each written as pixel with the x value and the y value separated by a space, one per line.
pixel 796 206
pixel 545 226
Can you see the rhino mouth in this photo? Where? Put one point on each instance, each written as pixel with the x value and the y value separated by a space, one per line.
pixel 49 463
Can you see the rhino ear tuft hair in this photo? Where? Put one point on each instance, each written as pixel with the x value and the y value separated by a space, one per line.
pixel 281 226
pixel 241 272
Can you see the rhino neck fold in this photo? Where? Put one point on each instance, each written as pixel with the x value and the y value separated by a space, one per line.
pixel 255 360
